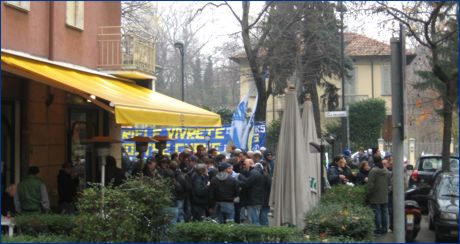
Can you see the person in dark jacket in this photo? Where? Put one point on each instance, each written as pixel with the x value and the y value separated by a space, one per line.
pixel 377 188
pixel 113 174
pixel 200 194
pixel 266 206
pixel 181 190
pixel 362 176
pixel 255 184
pixel 223 190
pixel 67 188
pixel 339 172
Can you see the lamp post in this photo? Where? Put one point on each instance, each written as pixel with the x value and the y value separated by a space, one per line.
pixel 342 9
pixel 180 47
pixel 141 147
pixel 161 143
pixel 102 145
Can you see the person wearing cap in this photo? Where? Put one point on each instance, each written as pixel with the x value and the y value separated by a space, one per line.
pixel 268 159
pixel 262 151
pixel 222 190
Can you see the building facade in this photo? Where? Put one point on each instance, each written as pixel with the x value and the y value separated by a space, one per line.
pixel 43 125
pixel 370 78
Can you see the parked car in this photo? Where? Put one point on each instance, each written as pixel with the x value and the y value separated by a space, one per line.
pixel 427 166
pixel 443 206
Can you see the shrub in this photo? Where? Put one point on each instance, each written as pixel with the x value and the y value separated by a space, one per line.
pixel 366 122
pixel 52 224
pixel 42 238
pixel 272 136
pixel 335 219
pixel 132 212
pixel 211 232
pixel 331 239
pixel 344 194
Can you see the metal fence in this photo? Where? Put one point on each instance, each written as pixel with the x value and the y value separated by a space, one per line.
pixel 127 51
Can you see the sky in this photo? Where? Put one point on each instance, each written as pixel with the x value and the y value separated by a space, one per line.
pixel 221 22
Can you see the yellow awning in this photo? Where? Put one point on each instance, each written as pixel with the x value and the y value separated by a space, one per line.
pixel 133 104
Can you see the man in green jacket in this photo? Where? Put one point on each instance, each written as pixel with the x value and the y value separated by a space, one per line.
pixel 377 187
pixel 31 194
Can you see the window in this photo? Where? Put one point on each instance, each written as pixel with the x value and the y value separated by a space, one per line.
pixel 351 85
pixel 23 5
pixel 385 72
pixel 75 14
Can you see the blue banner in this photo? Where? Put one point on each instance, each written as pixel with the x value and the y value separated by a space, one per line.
pixel 220 137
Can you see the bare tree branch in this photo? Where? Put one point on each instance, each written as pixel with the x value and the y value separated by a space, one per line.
pixel 264 10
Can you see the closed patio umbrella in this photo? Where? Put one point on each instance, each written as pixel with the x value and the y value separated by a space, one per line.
pixel 313 158
pixel 290 192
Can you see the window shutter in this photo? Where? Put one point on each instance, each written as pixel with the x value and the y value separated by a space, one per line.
pixel 20 4
pixel 386 80
pixel 70 13
pixel 80 14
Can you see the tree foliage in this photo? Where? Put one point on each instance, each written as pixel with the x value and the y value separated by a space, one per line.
pixel 366 122
pixel 273 133
pixel 434 25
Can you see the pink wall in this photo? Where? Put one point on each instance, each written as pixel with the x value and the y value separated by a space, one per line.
pixel 29 31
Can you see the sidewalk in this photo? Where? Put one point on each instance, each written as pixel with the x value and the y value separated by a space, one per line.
pixel 387 238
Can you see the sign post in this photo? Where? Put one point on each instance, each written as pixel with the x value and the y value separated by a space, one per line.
pixel 336 114
pixel 341 114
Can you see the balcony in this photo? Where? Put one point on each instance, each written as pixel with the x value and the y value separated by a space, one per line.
pixel 125 54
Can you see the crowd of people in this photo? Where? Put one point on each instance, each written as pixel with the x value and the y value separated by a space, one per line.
pixel 375 172
pixel 208 185
pixel 232 187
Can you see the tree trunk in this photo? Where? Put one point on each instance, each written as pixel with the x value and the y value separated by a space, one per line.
pixel 447 131
pixel 313 91
pixel 260 114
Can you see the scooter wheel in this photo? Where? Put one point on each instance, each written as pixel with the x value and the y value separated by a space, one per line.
pixel 410 236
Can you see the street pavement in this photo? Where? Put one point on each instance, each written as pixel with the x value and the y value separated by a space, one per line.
pixel 424 236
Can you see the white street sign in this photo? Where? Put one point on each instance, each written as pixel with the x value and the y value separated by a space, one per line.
pixel 336 114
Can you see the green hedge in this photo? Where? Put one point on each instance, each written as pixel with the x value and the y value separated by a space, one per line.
pixel 344 194
pixel 337 220
pixel 42 238
pixel 342 216
pixel 48 224
pixel 231 233
pixel 132 212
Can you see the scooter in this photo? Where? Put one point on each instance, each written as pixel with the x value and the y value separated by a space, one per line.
pixel 413 217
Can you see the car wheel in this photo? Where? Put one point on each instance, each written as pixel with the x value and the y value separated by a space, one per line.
pixel 437 236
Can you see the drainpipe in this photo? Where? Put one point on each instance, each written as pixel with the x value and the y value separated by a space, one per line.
pixel 51 31
pixel 372 77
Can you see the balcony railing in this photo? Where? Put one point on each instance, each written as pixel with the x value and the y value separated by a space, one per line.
pixel 125 51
